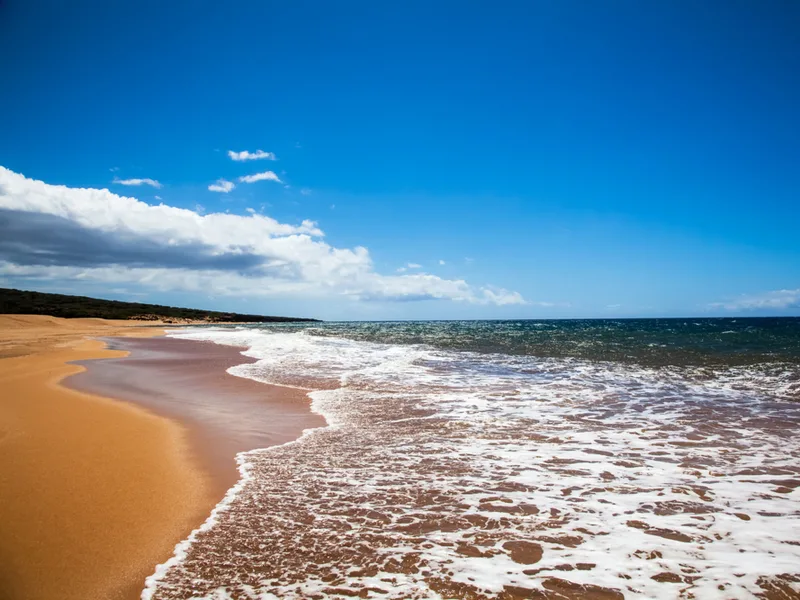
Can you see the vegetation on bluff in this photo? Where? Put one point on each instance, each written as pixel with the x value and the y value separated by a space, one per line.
pixel 20 302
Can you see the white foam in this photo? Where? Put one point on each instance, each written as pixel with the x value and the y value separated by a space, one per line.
pixel 612 456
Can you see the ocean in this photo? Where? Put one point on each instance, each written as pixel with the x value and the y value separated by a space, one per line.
pixel 514 459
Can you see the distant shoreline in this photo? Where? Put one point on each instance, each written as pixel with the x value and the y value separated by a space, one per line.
pixel 22 302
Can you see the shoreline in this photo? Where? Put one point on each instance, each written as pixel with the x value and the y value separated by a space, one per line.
pixel 97 489
pixel 92 490
pixel 187 381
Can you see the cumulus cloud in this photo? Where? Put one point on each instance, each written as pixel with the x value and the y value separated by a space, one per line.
pixel 409 266
pixel 776 300
pixel 222 185
pixel 265 176
pixel 257 155
pixel 441 262
pixel 144 181
pixel 52 232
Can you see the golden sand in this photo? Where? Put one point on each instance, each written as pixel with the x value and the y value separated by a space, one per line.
pixel 93 492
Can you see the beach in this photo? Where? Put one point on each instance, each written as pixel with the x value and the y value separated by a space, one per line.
pixel 95 491
pixel 476 460
pixel 187 381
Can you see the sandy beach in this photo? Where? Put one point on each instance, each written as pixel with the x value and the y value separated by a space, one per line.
pixel 186 381
pixel 94 491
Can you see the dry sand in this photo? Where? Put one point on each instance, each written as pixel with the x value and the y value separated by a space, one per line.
pixel 93 492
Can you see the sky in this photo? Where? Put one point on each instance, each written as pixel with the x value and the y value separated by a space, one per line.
pixel 411 160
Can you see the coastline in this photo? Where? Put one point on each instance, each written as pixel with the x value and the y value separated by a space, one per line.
pixel 187 381
pixel 97 485
pixel 93 491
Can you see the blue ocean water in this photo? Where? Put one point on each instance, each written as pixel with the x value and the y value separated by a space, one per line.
pixel 680 341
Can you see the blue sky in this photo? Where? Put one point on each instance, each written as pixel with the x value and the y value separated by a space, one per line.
pixel 560 158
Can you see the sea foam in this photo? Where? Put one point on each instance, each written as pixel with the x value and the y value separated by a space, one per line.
pixel 445 474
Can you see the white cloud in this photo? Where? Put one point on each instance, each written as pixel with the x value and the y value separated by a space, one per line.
pixel 95 235
pixel 265 176
pixel 776 300
pixel 157 197
pixel 441 262
pixel 144 181
pixel 257 155
pixel 408 266
pixel 501 297
pixel 305 191
pixel 222 185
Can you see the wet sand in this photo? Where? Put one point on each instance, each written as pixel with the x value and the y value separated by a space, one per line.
pixel 94 491
pixel 187 381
